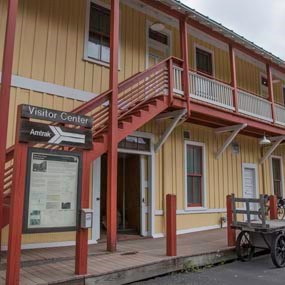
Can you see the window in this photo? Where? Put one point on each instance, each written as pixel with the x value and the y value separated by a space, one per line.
pixel 157 36
pixel 204 61
pixel 194 175
pixel 264 81
pixel 135 143
pixel 99 33
pixel 264 86
pixel 277 177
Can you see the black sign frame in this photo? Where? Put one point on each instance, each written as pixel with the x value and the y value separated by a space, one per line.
pixel 25 227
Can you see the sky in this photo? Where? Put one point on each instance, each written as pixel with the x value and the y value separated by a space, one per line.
pixel 260 21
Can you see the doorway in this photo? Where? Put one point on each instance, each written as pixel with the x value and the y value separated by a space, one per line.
pixel 133 201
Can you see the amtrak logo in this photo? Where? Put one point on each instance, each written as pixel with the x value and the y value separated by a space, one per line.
pixel 60 136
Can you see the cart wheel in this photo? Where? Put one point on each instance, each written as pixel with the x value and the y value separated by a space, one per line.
pixel 280 213
pixel 244 247
pixel 278 250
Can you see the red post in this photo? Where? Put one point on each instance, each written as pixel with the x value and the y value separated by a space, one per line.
pixel 185 57
pixel 273 207
pixel 233 76
pixel 170 75
pixel 231 232
pixel 113 132
pixel 16 210
pixel 81 253
pixel 5 91
pixel 270 90
pixel 171 243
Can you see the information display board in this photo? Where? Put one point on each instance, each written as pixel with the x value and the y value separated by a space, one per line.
pixel 52 195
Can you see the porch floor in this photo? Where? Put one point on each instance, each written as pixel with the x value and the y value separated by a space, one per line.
pixel 52 265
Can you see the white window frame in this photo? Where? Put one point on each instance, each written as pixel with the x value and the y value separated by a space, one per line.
pixel 86 38
pixel 196 45
pixel 204 188
pixel 281 169
pixel 166 31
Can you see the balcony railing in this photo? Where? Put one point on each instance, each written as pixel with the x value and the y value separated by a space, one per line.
pixel 220 94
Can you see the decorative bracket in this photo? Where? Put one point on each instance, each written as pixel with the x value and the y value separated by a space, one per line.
pixel 235 130
pixel 277 141
pixel 177 116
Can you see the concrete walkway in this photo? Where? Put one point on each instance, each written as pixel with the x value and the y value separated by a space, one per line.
pixel 56 266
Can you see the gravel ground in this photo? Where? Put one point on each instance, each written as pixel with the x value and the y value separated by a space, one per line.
pixel 260 271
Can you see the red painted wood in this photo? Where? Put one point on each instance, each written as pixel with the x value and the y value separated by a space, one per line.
pixel 171 239
pixel 16 209
pixel 230 232
pixel 112 156
pixel 273 207
pixel 170 81
pixel 233 76
pixel 5 91
pixel 81 257
pixel 185 57
pixel 270 90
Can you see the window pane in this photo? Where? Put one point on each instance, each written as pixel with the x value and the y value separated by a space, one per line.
pixel 197 160
pixel 94 47
pixel 190 161
pixel 144 144
pixel 204 61
pixel 194 191
pixel 276 169
pixel 132 142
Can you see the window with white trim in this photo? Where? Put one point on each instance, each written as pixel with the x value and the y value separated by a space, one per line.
pixel 194 175
pixel 277 176
pixel 204 61
pixel 98 46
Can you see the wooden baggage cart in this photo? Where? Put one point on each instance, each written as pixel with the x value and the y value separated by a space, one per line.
pixel 256 231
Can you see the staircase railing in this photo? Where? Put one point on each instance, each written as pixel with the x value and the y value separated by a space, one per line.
pixel 133 92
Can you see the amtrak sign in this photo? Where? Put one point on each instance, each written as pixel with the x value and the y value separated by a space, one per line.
pixel 53 134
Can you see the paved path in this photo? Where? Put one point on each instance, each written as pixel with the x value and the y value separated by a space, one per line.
pixel 42 266
pixel 260 271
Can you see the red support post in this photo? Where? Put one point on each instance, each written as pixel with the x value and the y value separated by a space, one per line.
pixel 81 252
pixel 112 156
pixel 270 90
pixel 171 84
pixel 5 91
pixel 16 209
pixel 185 57
pixel 231 232
pixel 233 76
pixel 171 242
pixel 273 207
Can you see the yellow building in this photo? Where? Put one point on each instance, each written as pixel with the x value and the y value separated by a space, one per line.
pixel 200 152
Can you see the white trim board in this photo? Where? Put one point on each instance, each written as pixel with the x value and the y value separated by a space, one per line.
pixel 192 211
pixel 48 245
pixel 50 88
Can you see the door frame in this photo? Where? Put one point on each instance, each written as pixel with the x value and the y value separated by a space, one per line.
pixel 166 31
pixel 96 178
pixel 250 166
pixel 281 170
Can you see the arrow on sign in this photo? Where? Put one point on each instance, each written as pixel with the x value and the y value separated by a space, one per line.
pixel 60 136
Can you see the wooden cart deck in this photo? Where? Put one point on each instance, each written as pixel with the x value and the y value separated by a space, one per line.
pixel 258 226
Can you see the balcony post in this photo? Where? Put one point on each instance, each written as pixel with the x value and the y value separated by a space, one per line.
pixel 5 91
pixel 112 155
pixel 270 90
pixel 185 57
pixel 233 76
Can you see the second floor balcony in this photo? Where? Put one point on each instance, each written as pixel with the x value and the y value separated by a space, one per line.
pixel 219 94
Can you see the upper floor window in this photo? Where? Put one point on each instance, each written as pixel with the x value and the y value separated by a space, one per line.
pixel 264 86
pixel 99 33
pixel 204 61
pixel 194 175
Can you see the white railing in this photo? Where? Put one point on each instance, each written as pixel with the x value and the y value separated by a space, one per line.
pixel 177 82
pixel 254 106
pixel 280 114
pixel 211 91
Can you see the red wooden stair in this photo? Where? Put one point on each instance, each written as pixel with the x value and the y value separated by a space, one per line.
pixel 141 98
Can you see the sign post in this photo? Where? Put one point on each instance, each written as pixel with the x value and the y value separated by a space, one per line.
pixel 50 187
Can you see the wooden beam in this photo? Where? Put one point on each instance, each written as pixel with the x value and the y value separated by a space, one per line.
pixel 185 57
pixel 270 90
pixel 5 91
pixel 170 128
pixel 235 130
pixel 271 149
pixel 233 76
pixel 112 155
